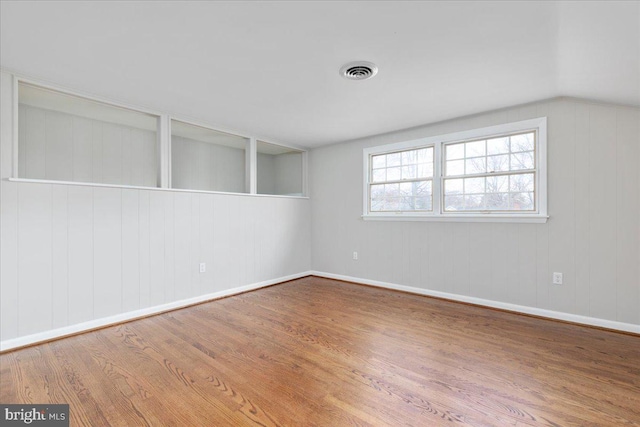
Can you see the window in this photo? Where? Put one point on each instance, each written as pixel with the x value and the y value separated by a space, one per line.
pixel 280 170
pixel 64 137
pixel 204 159
pixel 495 173
pixel 402 181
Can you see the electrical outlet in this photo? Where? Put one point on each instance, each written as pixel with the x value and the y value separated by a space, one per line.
pixel 557 278
pixel 203 267
pixel 355 256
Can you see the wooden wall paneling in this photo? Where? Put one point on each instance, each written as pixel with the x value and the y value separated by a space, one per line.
pixel 9 260
pixel 80 213
pixel 561 166
pixel 205 237
pixel 182 229
pixel 156 247
pixel 130 250
pixel 582 200
pixel 107 255
pixel 144 248
pixel 60 256
pixel 194 246
pixel 480 260
pixel 169 247
pixel 627 215
pixel 34 259
pixel 461 276
pixel 602 231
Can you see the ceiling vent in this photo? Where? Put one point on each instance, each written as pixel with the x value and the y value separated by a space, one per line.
pixel 360 70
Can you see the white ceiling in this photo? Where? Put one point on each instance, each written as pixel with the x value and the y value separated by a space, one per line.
pixel 270 69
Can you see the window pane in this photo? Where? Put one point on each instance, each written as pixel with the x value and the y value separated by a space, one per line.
pixel 498 146
pixel 521 182
pixel 454 203
pixel 524 142
pixel 521 201
pixel 497 184
pixel 498 163
pixel 522 161
pixel 474 202
pixel 425 171
pixel 453 186
pixel 408 157
pixel 454 151
pixel 475 149
pixel 394 174
pixel 497 201
pixel 64 137
pixel 477 165
pixel 378 161
pixel 378 175
pixel 455 167
pixel 409 172
pixel 394 159
pixel 474 185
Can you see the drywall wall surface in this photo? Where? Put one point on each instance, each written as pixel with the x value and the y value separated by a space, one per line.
pixel 592 235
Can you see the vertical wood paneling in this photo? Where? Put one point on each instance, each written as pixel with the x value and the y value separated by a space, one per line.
pixel 206 243
pixel 602 230
pixel 34 259
pixel 169 248
pixel 194 247
pixel 182 218
pixel 107 251
pixel 628 215
pixel 60 256
pixel 130 250
pixel 582 200
pixel 81 286
pixel 461 284
pixel 144 248
pixel 9 260
pixel 480 260
pixel 156 248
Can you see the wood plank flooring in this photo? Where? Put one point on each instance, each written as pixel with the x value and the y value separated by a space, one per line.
pixel 319 352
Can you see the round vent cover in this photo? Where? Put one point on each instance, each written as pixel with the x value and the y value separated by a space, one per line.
pixel 360 70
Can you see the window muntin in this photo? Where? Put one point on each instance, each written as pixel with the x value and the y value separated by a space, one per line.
pixel 496 173
pixel 402 181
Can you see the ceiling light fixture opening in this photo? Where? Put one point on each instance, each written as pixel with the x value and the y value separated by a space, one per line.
pixel 359 70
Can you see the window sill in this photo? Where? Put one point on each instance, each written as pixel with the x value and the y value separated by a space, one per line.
pixel 135 187
pixel 525 218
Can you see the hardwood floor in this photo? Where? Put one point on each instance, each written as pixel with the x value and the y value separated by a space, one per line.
pixel 322 352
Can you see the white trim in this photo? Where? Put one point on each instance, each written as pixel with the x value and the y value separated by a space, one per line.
pixel 136 314
pixel 475 217
pixel 15 105
pixel 558 315
pixel 438 214
pixel 134 187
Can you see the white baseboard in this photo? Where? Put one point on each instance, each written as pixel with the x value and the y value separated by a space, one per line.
pixel 575 318
pixel 132 315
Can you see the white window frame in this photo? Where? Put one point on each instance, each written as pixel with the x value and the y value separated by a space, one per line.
pixel 539 125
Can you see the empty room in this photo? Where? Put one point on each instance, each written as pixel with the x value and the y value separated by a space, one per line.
pixel 319 213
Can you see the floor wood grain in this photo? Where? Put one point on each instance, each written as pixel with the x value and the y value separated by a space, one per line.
pixel 320 352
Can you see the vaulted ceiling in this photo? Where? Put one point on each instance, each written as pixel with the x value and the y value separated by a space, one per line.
pixel 270 69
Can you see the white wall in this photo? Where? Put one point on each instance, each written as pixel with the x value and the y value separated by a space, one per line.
pixel 592 236
pixel 71 254
pixel 197 165
pixel 64 147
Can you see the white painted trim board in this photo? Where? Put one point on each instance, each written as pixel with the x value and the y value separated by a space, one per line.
pixel 550 314
pixel 136 314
